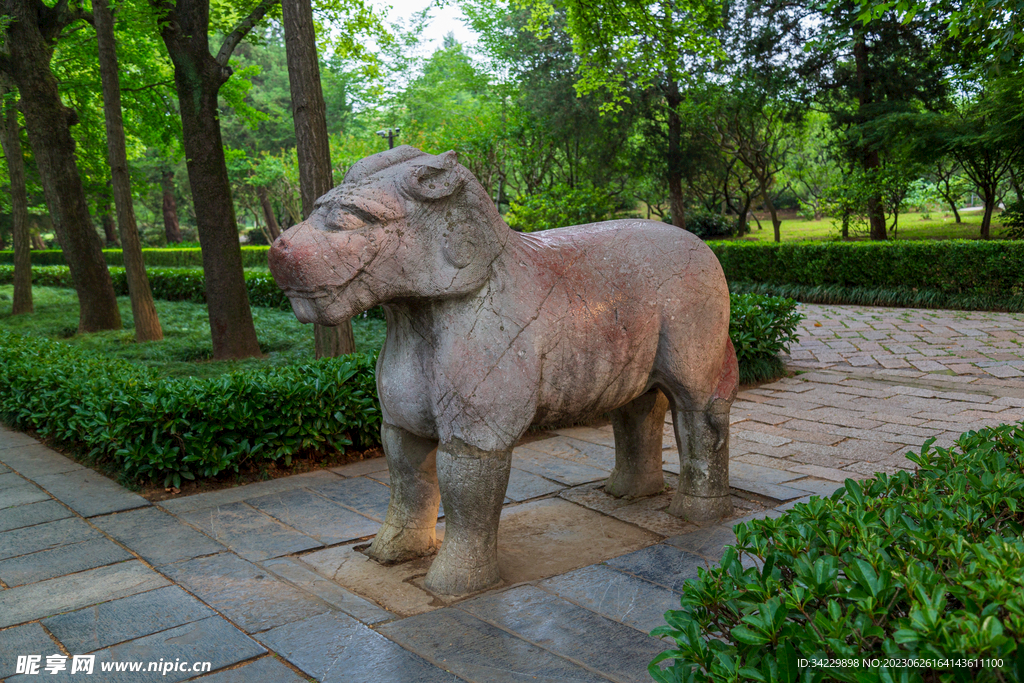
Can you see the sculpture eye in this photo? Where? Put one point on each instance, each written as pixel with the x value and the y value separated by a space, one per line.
pixel 344 220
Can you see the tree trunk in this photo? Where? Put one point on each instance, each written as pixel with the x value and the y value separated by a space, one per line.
pixel 198 78
pixel 39 245
pixel 677 205
pixel 110 240
pixel 311 142
pixel 870 160
pixel 268 212
pixel 11 142
pixel 172 230
pixel 147 324
pixel 773 212
pixel 990 206
pixel 48 123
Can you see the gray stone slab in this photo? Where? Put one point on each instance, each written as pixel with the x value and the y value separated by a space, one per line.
pixel 35 460
pixel 65 559
pixel 662 564
pixel 618 596
pixel 758 473
pixel 21 495
pixel 478 651
pixel 818 487
pixel 10 438
pixel 157 537
pixel 335 648
pixel 32 514
pixel 205 501
pixel 266 670
pixel 569 631
pixel 245 593
pixel 555 468
pixel 211 640
pixel 580 452
pixel 75 591
pixel 249 532
pixel 365 496
pixel 118 621
pixel 89 493
pixel 523 485
pixel 776 492
pixel 709 542
pixel 44 536
pixel 300 575
pixel 316 516
pixel 29 639
pixel 9 480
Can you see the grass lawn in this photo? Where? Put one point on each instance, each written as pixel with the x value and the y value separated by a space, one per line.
pixel 186 347
pixel 912 226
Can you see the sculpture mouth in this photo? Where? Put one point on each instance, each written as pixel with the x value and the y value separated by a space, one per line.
pixel 293 293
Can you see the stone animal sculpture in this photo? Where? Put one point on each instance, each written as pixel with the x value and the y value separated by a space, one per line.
pixel 490 331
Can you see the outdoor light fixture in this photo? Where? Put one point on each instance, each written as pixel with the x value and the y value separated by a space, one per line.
pixel 390 134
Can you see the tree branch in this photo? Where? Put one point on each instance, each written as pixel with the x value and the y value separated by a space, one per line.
pixel 242 30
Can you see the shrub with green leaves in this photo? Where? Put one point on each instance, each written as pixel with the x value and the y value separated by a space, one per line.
pixel 1013 221
pixel 559 207
pixel 167 430
pixel 707 225
pixel 761 327
pixel 922 567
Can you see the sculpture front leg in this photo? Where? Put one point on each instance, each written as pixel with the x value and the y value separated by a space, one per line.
pixel 408 529
pixel 473 484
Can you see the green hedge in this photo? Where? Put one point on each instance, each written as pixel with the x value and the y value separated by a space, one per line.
pixel 904 297
pixel 923 567
pixel 170 284
pixel 979 272
pixel 252 257
pixel 173 429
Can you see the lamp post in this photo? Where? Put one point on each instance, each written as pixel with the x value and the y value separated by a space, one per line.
pixel 390 134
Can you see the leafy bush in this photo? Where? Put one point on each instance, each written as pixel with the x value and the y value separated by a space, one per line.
pixel 178 257
pixel 173 284
pixel 923 566
pixel 961 267
pixel 559 207
pixel 707 225
pixel 174 429
pixel 760 328
pixel 1012 219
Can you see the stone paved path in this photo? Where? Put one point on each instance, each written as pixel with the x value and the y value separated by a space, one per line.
pixel 266 581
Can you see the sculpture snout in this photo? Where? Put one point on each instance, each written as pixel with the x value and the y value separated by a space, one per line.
pixel 286 258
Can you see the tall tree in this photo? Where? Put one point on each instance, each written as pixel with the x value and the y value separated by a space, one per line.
pixel 169 207
pixel 198 76
pixel 31 32
pixel 312 145
pixel 633 43
pixel 147 324
pixel 11 141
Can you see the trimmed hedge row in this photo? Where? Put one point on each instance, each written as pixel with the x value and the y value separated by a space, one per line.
pixel 903 297
pixel 957 267
pixel 252 257
pixel 170 284
pixel 174 429
pixel 922 567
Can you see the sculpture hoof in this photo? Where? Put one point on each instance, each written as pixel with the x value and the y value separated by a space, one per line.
pixel 461 579
pixel 626 486
pixel 697 509
pixel 393 545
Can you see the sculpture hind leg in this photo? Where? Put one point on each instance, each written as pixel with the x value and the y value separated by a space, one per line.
pixel 702 436
pixel 408 529
pixel 638 427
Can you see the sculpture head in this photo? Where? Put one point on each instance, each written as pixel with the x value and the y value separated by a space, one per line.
pixel 404 225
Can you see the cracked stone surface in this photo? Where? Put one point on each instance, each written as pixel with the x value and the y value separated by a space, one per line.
pixel 597 568
pixel 491 332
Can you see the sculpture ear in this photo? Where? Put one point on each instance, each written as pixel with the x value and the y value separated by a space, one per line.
pixel 460 246
pixel 436 177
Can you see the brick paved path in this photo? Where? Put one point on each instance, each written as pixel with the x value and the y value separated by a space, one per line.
pixel 266 581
